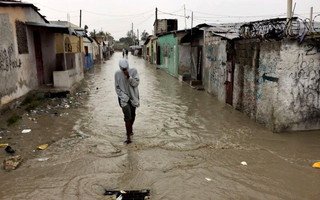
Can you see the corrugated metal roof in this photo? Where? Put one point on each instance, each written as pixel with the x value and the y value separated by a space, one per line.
pixel 58 28
pixel 228 33
pixel 22 4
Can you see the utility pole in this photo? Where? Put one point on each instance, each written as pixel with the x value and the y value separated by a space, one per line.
pixel 289 15
pixel 185 19
pixel 289 9
pixel 80 17
pixel 191 21
pixel 311 16
pixel 138 34
pixel 156 23
pixel 132 34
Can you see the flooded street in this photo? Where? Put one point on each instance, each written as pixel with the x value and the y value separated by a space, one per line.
pixel 186 145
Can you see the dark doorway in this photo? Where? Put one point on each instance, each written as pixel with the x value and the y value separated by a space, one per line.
pixel 38 55
pixel 199 63
pixel 158 55
pixel 86 57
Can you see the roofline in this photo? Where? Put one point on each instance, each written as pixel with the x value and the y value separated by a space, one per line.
pixel 22 4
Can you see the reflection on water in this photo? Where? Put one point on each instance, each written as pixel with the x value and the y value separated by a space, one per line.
pixel 187 145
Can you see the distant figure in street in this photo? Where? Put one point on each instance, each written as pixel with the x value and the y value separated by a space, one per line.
pixel 123 52
pixel 126 85
pixel 127 53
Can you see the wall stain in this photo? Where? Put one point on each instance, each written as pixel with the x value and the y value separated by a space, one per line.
pixel 7 60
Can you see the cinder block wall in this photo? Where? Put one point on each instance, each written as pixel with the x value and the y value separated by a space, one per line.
pixel 277 83
pixel 214 65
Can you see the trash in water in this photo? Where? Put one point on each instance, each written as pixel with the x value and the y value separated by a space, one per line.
pixel 9 150
pixel 42 159
pixel 208 179
pixel 128 194
pixel 43 146
pixel 67 106
pixel 12 162
pixel 94 145
pixel 176 122
pixel 116 151
pixel 244 163
pixel 316 165
pixel 0 137
pixel 68 144
pixel 26 131
pixel 4 145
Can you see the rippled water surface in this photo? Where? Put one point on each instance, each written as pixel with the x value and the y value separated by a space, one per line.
pixel 187 145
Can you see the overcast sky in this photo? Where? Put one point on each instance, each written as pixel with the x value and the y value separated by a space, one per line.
pixel 117 16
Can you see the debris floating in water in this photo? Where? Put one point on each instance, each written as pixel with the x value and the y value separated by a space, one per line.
pixel 26 131
pixel 4 145
pixel 208 179
pixel 42 159
pixel 244 163
pixel 43 146
pixel 316 165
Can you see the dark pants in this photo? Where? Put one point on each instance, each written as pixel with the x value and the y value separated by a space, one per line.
pixel 129 112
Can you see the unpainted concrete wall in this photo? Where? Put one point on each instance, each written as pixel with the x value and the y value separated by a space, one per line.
pixel 48 48
pixel 32 16
pixel 277 83
pixel 18 73
pixel 246 76
pixel 184 66
pixel 214 66
pixel 298 105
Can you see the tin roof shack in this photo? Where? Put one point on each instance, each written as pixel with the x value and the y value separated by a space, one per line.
pixel 27 49
pixel 277 75
pixel 69 61
pixel 218 65
pixel 191 56
pixel 169 47
pixel 87 51
pixel 155 57
pixel 165 25
pixel 147 44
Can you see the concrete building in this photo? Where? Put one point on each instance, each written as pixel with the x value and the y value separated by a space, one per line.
pixel 28 52
pixel 265 73
pixel 218 62
pixel 162 26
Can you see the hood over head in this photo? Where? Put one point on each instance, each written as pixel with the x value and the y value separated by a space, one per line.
pixel 123 64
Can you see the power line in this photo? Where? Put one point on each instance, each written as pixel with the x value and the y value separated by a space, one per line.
pixel 57 10
pixel 131 15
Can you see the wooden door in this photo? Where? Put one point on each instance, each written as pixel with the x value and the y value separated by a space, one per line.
pixel 199 63
pixel 229 83
pixel 38 56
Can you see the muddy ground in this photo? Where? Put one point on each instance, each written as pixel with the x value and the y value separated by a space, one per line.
pixel 187 145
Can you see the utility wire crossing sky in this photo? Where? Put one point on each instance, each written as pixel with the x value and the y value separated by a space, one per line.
pixel 116 17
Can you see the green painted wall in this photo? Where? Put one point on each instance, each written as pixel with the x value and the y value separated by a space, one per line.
pixel 167 57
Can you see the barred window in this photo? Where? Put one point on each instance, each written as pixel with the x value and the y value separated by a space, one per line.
pixel 21 37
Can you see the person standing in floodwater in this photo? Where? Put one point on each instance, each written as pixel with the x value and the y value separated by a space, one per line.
pixel 123 52
pixel 126 85
pixel 126 53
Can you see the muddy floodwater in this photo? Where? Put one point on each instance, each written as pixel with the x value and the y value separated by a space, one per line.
pixel 186 145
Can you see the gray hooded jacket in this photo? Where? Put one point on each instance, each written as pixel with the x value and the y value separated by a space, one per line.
pixel 127 89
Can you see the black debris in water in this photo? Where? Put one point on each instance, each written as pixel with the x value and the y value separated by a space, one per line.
pixel 129 195
pixel 59 94
pixel 9 150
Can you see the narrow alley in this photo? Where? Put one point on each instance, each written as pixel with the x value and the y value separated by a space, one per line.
pixel 186 145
